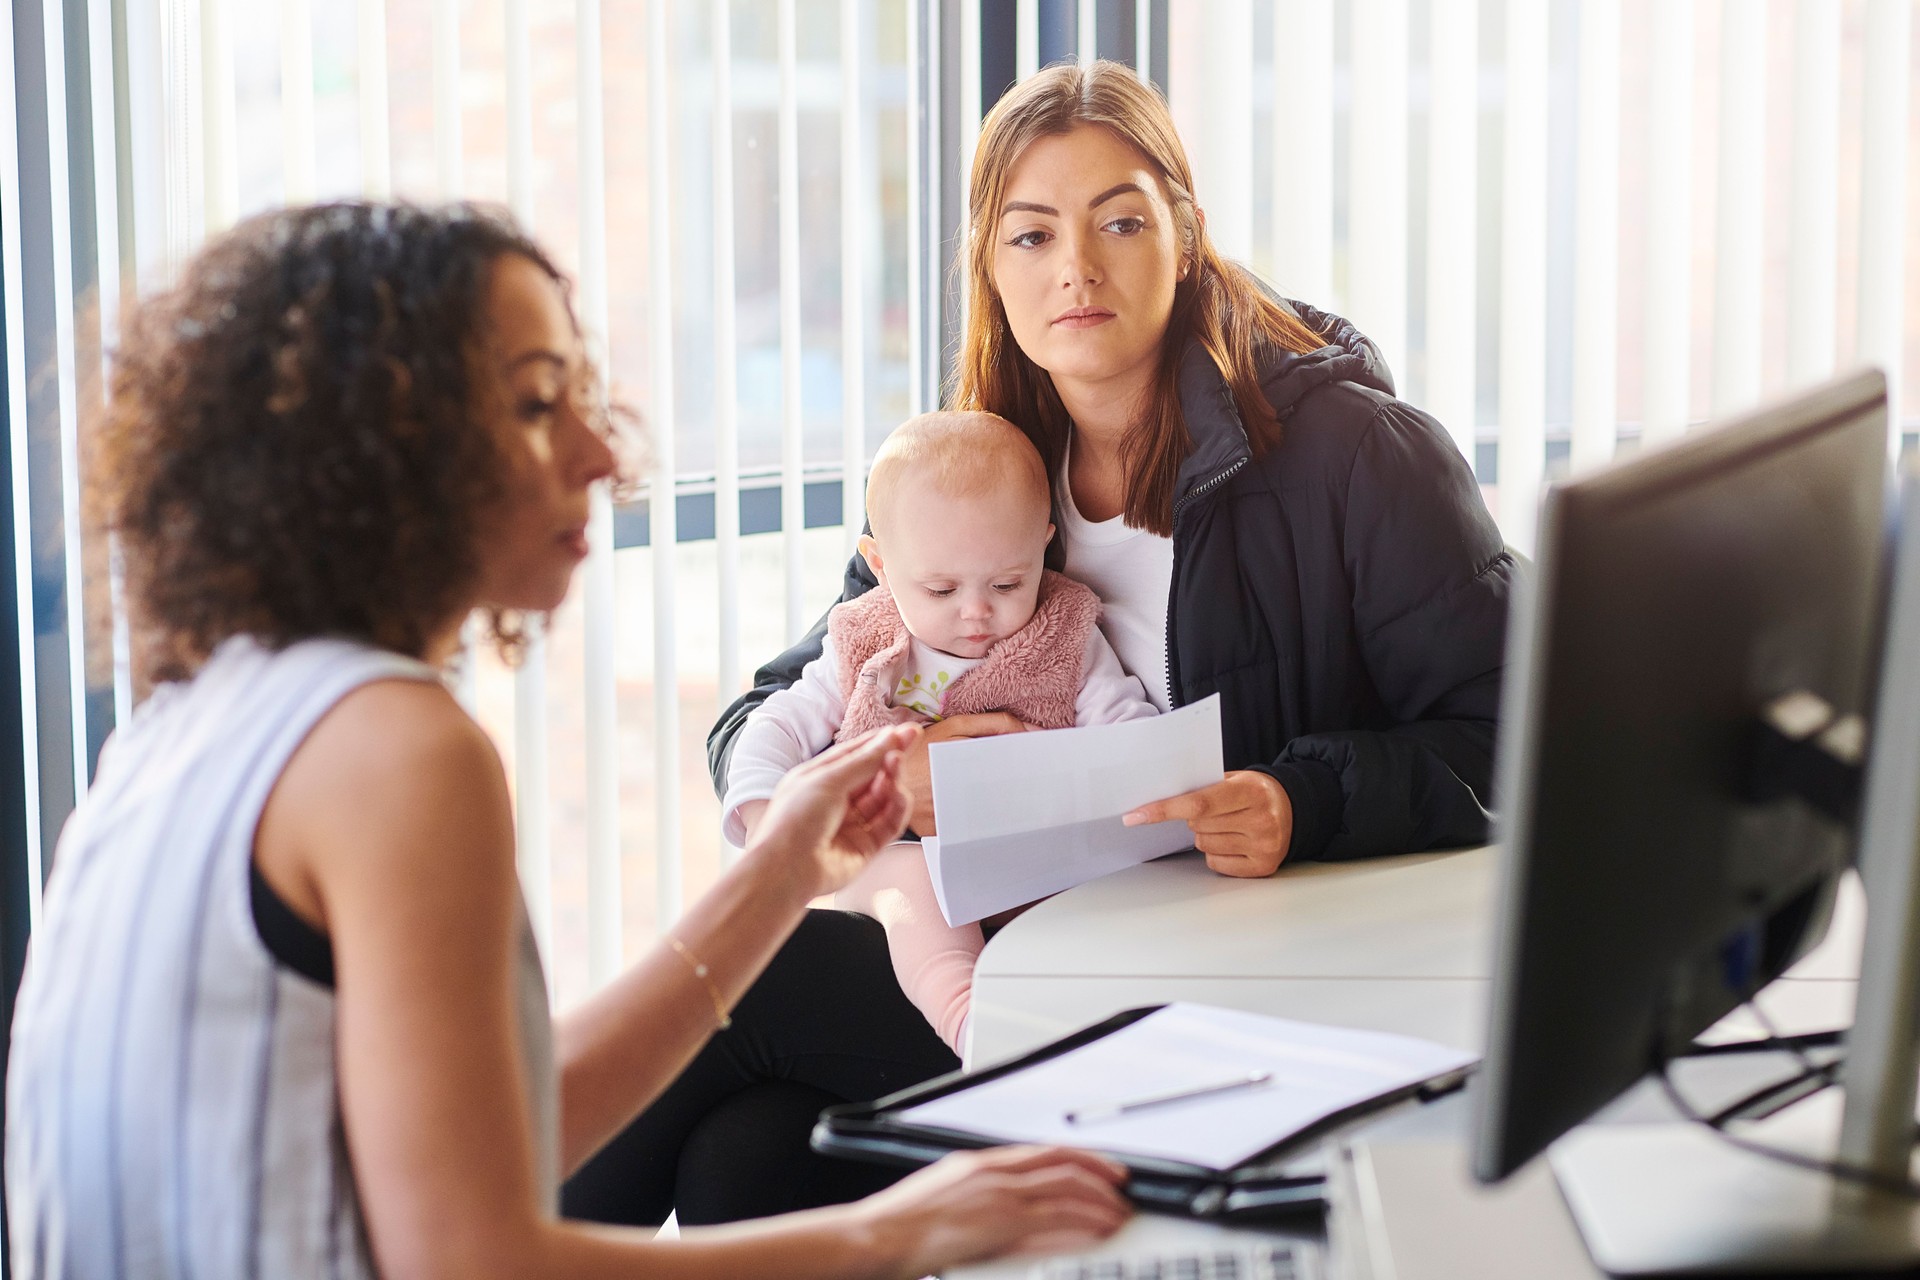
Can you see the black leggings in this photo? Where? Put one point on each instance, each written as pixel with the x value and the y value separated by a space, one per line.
pixel 826 1023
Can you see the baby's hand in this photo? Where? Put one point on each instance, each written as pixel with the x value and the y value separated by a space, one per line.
pixel 917 778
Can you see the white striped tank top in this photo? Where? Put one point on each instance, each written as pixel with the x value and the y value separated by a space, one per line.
pixel 172 1108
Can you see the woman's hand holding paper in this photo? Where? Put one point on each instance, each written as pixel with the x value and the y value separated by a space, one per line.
pixel 1243 823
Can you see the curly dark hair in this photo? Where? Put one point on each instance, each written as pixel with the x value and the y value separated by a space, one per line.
pixel 294 441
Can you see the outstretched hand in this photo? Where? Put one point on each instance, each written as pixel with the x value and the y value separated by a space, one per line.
pixel 831 814
pixel 1243 823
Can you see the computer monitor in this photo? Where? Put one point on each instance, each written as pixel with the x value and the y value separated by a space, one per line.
pixel 1648 889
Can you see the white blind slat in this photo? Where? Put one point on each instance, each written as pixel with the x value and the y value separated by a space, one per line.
pixel 446 99
pixel 664 525
pixel 296 99
pixel 16 357
pixel 519 94
pixel 110 218
pixel 1885 92
pixel 853 317
pixel 1667 327
pixel 1303 155
pixel 376 172
pixel 1523 262
pixel 1813 243
pixel 916 215
pixel 792 443
pixel 605 884
pixel 1377 264
pixel 219 176
pixel 1143 39
pixel 1026 48
pixel 971 109
pixel 1213 102
pixel 65 370
pixel 1596 240
pixel 601 691
pixel 107 193
pixel 175 91
pixel 1452 231
pixel 726 402
pixel 1739 266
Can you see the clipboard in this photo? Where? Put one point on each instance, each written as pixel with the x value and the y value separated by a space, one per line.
pixel 1267 1186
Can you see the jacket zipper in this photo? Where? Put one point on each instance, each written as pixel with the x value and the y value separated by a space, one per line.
pixel 1173 581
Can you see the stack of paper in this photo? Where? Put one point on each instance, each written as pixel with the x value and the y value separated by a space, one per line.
pixel 1305 1073
pixel 1025 815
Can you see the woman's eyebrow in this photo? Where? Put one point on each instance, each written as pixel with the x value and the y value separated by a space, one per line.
pixel 1027 206
pixel 1117 189
pixel 538 353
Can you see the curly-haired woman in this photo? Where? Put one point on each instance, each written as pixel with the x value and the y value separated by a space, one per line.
pixel 283 1015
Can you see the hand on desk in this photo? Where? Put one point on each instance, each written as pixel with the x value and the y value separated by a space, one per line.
pixel 1243 823
pixel 982 1204
pixel 918 779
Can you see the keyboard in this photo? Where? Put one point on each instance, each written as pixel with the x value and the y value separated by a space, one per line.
pixel 1264 1261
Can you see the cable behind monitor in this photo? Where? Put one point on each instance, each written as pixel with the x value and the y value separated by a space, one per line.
pixel 1717 1123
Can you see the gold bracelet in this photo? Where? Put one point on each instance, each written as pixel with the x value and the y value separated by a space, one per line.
pixel 705 975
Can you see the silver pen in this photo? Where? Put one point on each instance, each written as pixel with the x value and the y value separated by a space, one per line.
pixel 1249 1080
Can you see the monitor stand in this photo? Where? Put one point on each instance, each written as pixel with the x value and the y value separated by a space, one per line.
pixel 1679 1199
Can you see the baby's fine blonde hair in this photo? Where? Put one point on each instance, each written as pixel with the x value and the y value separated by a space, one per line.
pixel 963 454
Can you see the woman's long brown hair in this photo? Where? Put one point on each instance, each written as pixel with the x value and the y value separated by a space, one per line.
pixel 1217 304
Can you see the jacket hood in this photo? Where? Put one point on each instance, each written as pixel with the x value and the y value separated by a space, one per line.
pixel 1349 356
pixel 1213 419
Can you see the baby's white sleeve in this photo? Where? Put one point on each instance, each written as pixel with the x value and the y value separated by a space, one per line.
pixel 793 725
pixel 1108 694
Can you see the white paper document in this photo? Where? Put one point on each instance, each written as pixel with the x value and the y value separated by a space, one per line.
pixel 1310 1072
pixel 1025 815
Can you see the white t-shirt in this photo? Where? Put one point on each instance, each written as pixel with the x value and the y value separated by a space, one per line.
pixel 1131 570
pixel 928 674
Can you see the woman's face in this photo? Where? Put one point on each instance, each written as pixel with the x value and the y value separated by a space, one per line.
pixel 533 360
pixel 1086 257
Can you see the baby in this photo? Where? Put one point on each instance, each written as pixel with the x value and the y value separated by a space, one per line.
pixel 966 619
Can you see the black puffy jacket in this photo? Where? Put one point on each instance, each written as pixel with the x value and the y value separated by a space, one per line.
pixel 1345 594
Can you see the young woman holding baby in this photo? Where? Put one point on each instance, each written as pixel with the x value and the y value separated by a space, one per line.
pixel 1260 517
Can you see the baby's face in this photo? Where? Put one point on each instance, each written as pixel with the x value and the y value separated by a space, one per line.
pixel 965 572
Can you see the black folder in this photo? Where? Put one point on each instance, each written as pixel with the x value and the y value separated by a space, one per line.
pixel 1268 1185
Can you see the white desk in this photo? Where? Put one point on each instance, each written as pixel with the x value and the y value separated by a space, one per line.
pixel 1392 944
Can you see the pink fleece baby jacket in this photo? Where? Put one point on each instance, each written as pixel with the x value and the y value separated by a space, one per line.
pixel 1034 673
